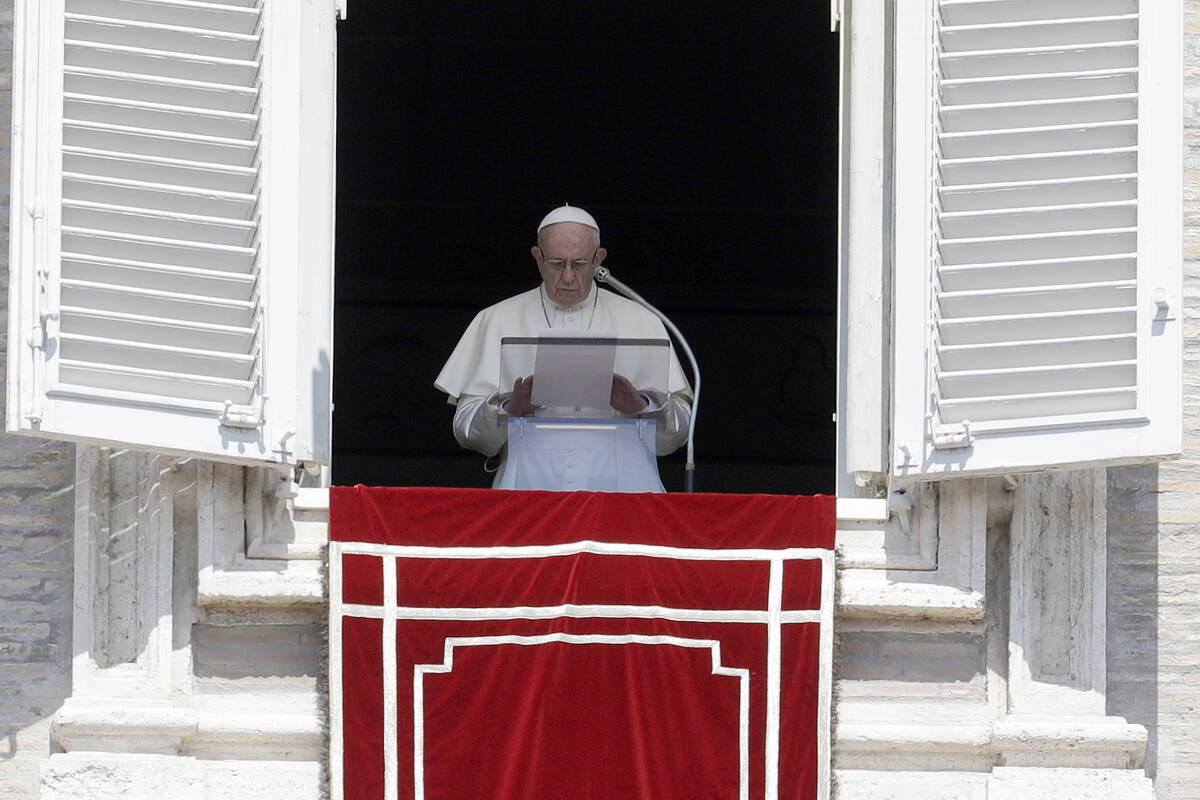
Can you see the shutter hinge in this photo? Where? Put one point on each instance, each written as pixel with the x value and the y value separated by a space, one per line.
pixel 243 416
pixel 951 437
pixel 39 335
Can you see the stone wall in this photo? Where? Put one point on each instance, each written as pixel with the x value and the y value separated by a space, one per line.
pixel 36 518
pixel 1154 534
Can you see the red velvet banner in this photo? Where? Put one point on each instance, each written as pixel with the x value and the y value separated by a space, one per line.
pixel 513 645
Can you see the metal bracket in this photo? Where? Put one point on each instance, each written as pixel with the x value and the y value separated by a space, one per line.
pixel 901 507
pixel 243 416
pixel 1164 304
pixel 951 437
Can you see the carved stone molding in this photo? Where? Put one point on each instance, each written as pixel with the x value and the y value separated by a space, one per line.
pixel 1058 588
pixel 124 551
pixel 938 570
pixel 259 541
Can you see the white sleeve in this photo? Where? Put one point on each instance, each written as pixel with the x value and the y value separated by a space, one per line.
pixel 477 424
pixel 673 414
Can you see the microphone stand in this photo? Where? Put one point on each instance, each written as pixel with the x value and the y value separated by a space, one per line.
pixel 689 470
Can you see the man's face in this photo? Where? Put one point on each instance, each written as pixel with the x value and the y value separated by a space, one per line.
pixel 567 261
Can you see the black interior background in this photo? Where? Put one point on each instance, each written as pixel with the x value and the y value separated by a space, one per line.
pixel 702 136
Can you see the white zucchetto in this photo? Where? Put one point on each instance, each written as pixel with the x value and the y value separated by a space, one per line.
pixel 566 213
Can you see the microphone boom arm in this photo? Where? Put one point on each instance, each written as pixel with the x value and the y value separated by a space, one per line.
pixel 604 275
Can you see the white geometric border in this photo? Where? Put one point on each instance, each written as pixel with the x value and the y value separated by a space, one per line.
pixel 421 670
pixel 773 616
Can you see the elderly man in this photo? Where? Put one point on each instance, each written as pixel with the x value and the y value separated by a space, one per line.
pixel 567 254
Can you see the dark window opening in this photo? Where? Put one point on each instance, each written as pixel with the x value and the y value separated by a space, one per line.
pixel 703 137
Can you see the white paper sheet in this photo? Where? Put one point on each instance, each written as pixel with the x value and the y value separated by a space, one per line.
pixel 574 368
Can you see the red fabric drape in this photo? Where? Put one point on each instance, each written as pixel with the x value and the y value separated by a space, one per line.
pixel 584 646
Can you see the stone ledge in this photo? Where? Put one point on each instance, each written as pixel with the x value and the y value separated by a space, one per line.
pixel 867 593
pixel 1002 783
pixel 248 736
pixel 1103 743
pixel 103 726
pixel 114 776
pixel 1016 783
pixel 122 727
pixel 856 784
pixel 1074 743
pixel 265 583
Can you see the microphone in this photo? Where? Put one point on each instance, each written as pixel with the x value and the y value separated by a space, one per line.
pixel 689 470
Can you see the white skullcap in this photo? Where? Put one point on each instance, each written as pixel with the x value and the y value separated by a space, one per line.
pixel 566 213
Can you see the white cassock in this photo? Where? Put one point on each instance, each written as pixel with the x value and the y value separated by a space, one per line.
pixel 471 375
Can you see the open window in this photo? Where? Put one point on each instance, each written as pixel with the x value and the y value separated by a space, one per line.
pixel 171 240
pixel 702 137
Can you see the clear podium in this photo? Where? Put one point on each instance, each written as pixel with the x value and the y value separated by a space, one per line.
pixel 575 442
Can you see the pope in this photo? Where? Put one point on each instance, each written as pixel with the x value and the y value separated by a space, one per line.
pixel 567 254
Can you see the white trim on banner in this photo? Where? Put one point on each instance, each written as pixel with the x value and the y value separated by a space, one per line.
pixel 421 670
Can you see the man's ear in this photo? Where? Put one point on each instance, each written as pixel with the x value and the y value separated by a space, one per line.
pixel 536 252
pixel 600 254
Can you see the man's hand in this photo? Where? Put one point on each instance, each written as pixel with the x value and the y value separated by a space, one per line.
pixel 520 403
pixel 625 398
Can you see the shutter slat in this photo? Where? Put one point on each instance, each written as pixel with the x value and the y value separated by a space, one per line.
pixel 159 224
pixel 142 328
pixel 163 277
pixel 1053 192
pixel 974 12
pixel 165 197
pixel 1045 139
pixel 1039 60
pixel 1030 327
pixel 128 85
pixel 1039 166
pixel 148 61
pixel 208 16
pixel 151 169
pixel 174 38
pixel 159 116
pixel 155 382
pixel 976 384
pixel 1024 34
pixel 984 250
pixel 1041 272
pixel 136 248
pixel 157 303
pixel 1049 219
pixel 977 303
pixel 1010 407
pixel 162 358
pixel 1059 85
pixel 1040 352
pixel 159 143
pixel 1041 113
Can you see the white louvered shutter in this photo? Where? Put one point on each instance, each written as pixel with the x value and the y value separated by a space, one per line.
pixel 1038 234
pixel 171 249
